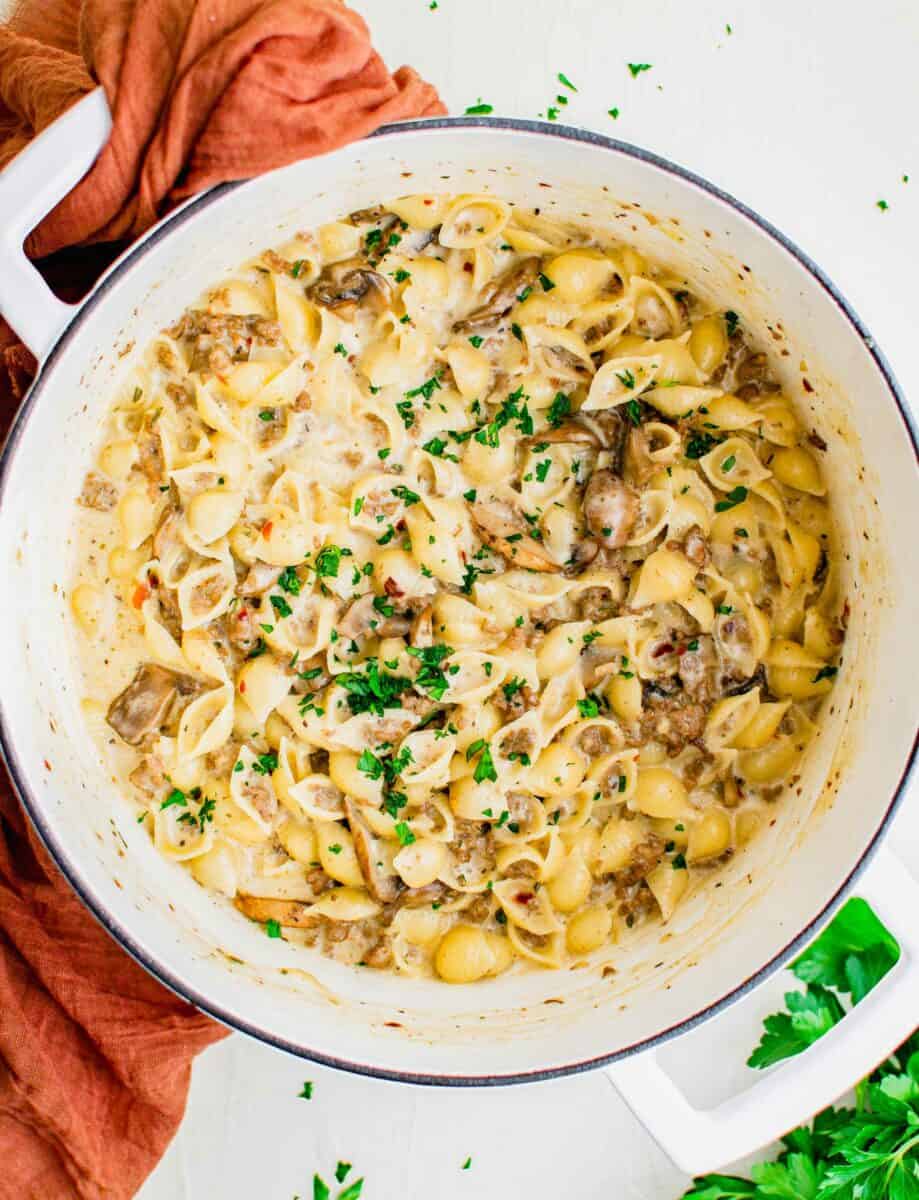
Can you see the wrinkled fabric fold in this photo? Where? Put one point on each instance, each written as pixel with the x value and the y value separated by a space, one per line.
pixel 95 1055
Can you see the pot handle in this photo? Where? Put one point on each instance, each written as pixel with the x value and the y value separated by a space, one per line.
pixel 30 186
pixel 792 1092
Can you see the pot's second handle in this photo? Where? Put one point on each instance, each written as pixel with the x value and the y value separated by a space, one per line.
pixel 37 178
pixel 790 1093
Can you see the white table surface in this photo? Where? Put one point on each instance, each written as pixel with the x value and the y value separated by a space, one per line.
pixel 808 112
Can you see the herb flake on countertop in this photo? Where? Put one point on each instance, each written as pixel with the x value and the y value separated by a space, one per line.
pixel 479 109
pixel 565 81
pixel 635 69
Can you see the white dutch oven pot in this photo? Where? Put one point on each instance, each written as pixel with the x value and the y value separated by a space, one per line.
pixel 774 897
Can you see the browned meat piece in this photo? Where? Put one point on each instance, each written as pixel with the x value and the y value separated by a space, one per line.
pixel 673 721
pixel 505 529
pixel 180 394
pixel 500 296
pixel 343 286
pixel 366 216
pixel 221 338
pixel 596 741
pixel 596 604
pixel 380 955
pixel 610 509
pixel 243 629
pixel 150 455
pixel 473 843
pixel 98 493
pixel 383 885
pixel 148 702
pixel 290 913
pixel 260 577
pixel 698 669
pixel 637 466
pixel 696 547
pixel 515 704
pixel 636 903
pixel 149 776
pixel 645 857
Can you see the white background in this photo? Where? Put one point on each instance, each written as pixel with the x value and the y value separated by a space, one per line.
pixel 808 112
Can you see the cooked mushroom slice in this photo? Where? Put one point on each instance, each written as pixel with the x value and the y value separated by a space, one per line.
pixel 260 577
pixel 292 913
pixel 584 554
pixel 637 466
pixel 500 296
pixel 563 360
pixel 148 701
pixel 384 885
pixel 568 433
pixel 366 216
pixel 612 428
pixel 422 630
pixel 610 509
pixel 344 285
pixel 504 529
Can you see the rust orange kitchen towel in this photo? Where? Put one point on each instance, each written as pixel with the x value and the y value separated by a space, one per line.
pixel 95 1056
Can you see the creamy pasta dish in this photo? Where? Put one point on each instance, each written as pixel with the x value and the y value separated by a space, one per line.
pixel 455 589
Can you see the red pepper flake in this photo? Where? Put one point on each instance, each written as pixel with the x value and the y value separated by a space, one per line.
pixel 242 686
pixel 266 529
pixel 427 200
pixel 467 267
pixel 666 648
pixel 48 766
pixel 141 594
pixel 806 384
pixel 524 897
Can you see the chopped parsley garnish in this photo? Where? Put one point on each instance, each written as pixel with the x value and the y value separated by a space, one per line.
pixel 427 389
pixel 265 763
pixel 406 412
pixel 175 797
pixel 273 928
pixel 724 609
pixel 341 349
pixel 289 581
pixel 729 463
pixel 358 505
pixel 373 690
pixel 341 1171
pixel 435 446
pixel 470 495
pixel 699 444
pixel 547 284
pixel 280 606
pixel 383 454
pixel 401 275
pixel 633 411
pixel 296 268
pixel 558 410
pixel 404 834
pixel 383 605
pixel 405 494
pixel 542 469
pixel 352 1191
pixel 731 320
pixel 591 637
pixel 635 69
pixel 476 340
pixel 740 532
pixel 589 706
pixel 883 205
pixel 467 1164
pixel 431 677
pixel 523 295
pixel 485 767
pixel 267 414
pixel 328 561
pixel 626 378
pixel 678 862
pixel 826 673
pixel 734 497
pixel 516 331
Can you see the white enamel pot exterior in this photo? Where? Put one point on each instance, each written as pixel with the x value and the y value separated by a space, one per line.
pixel 724 940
